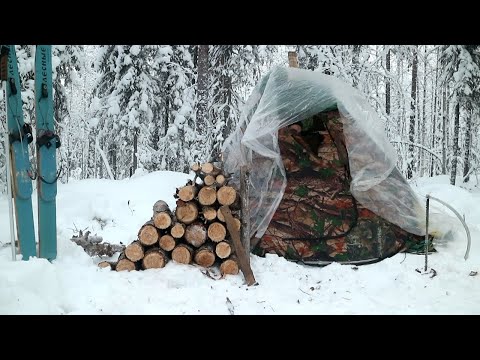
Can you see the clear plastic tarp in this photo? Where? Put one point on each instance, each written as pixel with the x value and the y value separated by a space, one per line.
pixel 288 95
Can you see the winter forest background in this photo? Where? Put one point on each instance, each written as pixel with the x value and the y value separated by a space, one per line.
pixel 164 107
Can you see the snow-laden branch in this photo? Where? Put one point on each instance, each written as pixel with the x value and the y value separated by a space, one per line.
pixel 418 146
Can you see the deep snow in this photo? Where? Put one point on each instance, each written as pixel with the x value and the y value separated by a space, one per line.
pixel 73 284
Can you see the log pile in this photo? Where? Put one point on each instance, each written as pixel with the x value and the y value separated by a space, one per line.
pixel 195 232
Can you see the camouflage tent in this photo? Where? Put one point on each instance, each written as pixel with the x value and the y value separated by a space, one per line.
pixel 323 180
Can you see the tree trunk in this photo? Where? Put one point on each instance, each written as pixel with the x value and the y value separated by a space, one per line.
pixel 444 130
pixel 202 89
pixel 424 121
pixel 456 150
pixel 135 150
pixel 434 126
pixel 411 133
pixel 468 142
pixel 387 84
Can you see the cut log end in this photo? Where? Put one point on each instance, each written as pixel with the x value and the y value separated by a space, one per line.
pixel 162 220
pixel 209 213
pixel 134 251
pixel 223 250
pixel 154 259
pixel 196 167
pixel 220 179
pixel 229 267
pixel 204 256
pixel 167 242
pixel 182 254
pixel 125 265
pixel 196 234
pixel 209 180
pixel 217 232
pixel 226 195
pixel 177 230
pixel 148 235
pixel 105 264
pixel 187 193
pixel 186 212
pixel 207 168
pixel 207 195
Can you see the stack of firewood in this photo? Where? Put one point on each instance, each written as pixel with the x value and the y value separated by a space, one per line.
pixel 196 232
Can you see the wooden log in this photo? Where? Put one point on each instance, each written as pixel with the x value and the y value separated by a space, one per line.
pixel 154 259
pixel 235 213
pixel 167 242
pixel 216 232
pixel 209 180
pixel 229 266
pixel 124 264
pixel 220 179
pixel 162 220
pixel 244 225
pixel 238 247
pixel 187 193
pixel 226 195
pixel 207 195
pixel 210 169
pixel 195 234
pixel 186 212
pixel 134 251
pixel 196 168
pixel 148 234
pixel 204 256
pixel 104 264
pixel 182 254
pixel 223 250
pixel 209 213
pixel 160 206
pixel 177 230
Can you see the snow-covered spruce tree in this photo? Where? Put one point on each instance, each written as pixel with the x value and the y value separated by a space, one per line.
pixel 235 69
pixel 461 72
pixel 177 144
pixel 67 62
pixel 126 101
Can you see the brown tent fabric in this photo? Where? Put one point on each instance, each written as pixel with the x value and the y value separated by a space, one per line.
pixel 318 219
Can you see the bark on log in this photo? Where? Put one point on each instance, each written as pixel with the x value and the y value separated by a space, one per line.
pixel 204 256
pixel 207 195
pixel 229 266
pixel 154 259
pixel 209 213
pixel 238 247
pixel 148 234
pixel 226 195
pixel 223 250
pixel 217 232
pixel 182 254
pixel 160 206
pixel 177 230
pixel 186 212
pixel 124 264
pixel 196 234
pixel 134 251
pixel 187 193
pixel 167 242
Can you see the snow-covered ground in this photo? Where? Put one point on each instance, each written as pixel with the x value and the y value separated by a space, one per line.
pixel 73 284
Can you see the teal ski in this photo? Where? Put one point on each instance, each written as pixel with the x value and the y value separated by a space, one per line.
pixel 47 143
pixel 20 135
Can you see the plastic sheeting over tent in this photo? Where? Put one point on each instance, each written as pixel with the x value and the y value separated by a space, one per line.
pixel 288 95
